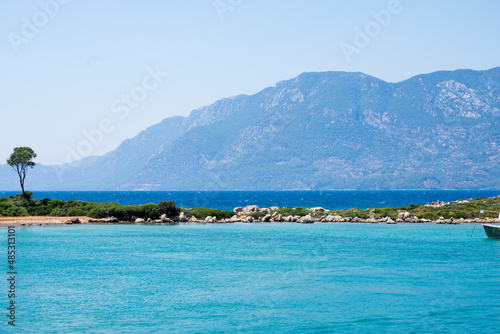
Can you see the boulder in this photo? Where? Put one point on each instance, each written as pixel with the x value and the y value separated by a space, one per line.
pixel 239 209
pixel 163 217
pixel 317 209
pixel 74 220
pixel 235 219
pixel 266 218
pixel 274 208
pixel 248 220
pixel 251 209
pixel 390 221
pixel 307 219
pixel 182 217
pixel 278 218
pixel 441 220
pixel 139 220
pixel 193 219
pixel 405 215
pixel 210 219
pixel 335 219
pixel 112 220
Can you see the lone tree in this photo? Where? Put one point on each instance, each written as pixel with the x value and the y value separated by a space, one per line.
pixel 20 160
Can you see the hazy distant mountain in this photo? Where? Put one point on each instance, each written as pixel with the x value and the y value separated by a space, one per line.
pixel 331 130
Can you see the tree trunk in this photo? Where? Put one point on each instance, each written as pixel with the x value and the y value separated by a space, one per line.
pixel 22 187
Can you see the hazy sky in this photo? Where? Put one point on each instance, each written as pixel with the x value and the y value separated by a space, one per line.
pixel 97 69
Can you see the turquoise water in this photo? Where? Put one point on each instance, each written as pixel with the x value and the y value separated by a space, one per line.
pixel 273 278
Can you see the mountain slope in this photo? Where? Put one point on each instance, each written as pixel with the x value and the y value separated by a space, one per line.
pixel 331 130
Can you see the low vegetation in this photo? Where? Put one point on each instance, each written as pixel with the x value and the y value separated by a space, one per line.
pixel 18 206
pixel 202 213
pixel 466 209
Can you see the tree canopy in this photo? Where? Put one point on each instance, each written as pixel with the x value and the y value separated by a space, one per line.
pixel 20 160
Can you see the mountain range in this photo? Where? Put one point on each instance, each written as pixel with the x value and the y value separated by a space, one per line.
pixel 327 130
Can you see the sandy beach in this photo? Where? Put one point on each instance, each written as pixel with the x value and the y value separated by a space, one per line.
pixel 45 220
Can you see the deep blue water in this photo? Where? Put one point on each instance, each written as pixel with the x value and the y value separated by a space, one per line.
pixel 255 278
pixel 228 200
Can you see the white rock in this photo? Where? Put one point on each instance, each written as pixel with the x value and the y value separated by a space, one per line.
pixel 305 220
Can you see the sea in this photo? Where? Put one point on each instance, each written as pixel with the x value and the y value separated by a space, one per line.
pixel 228 200
pixel 253 278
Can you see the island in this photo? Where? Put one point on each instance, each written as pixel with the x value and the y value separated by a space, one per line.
pixel 24 210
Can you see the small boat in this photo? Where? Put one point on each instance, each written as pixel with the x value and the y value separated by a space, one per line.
pixel 492 231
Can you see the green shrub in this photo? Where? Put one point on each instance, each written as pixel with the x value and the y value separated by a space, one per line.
pixel 76 212
pixel 257 214
pixel 202 213
pixel 356 212
pixel 168 208
pixel 150 211
pixel 12 210
pixel 294 212
pixel 58 212
pixel 98 212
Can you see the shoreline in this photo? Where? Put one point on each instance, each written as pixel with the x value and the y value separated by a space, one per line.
pixel 54 221
pixel 39 220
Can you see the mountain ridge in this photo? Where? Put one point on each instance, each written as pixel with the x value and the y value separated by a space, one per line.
pixel 319 130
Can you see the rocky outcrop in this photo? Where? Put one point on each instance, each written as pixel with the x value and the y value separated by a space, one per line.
pixel 334 219
pixel 75 220
pixel 317 209
pixel 235 219
pixel 307 219
pixel 266 218
pixel 246 210
pixel 277 218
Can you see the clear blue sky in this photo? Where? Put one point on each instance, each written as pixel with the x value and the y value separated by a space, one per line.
pixel 68 74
